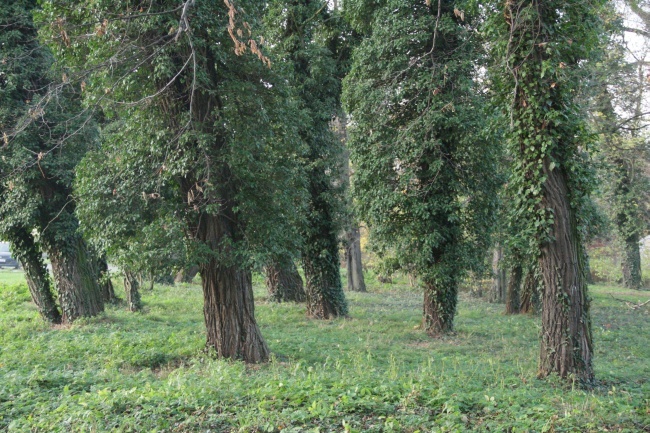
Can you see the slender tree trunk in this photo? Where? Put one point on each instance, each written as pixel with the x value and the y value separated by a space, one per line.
pixel 76 280
pixel 512 296
pixel 132 291
pixel 283 282
pixel 439 309
pixel 356 282
pixel 498 293
pixel 36 275
pixel 228 309
pixel 631 262
pixel 566 346
pixel 186 275
pixel 105 283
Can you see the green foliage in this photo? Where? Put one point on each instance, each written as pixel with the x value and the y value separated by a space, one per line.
pixel 192 128
pixel 373 372
pixel 41 143
pixel 423 165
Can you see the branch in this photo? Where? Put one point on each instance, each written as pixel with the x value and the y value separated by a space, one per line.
pixel 630 305
pixel 637 31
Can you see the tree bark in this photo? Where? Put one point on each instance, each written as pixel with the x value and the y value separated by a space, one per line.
pixel 498 293
pixel 36 275
pixel 186 275
pixel 631 263
pixel 228 308
pixel 439 308
pixel 132 291
pixel 283 282
pixel 530 296
pixel 105 283
pixel 76 280
pixel 356 282
pixel 566 347
pixel 512 295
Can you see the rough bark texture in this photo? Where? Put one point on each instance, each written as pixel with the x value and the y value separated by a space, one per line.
pixel 186 275
pixel 512 296
pixel 283 282
pixel 566 347
pixel 356 283
pixel 76 280
pixel 439 309
pixel 631 263
pixel 498 292
pixel 228 309
pixel 105 283
pixel 36 275
pixel 132 291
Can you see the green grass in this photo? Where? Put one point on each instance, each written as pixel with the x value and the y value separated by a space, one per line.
pixel 375 371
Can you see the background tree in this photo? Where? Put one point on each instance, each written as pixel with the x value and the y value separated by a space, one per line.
pixel 422 170
pixel 299 39
pixel 41 149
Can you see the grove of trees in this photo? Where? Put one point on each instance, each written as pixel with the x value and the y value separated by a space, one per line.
pixel 239 136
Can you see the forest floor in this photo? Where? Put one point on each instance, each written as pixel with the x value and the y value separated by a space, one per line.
pixel 375 371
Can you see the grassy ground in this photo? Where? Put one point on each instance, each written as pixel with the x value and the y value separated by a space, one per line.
pixel 375 371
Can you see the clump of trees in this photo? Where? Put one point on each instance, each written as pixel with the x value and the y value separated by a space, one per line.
pixel 211 135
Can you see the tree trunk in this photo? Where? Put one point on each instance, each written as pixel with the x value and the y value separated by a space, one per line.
pixel 186 275
pixel 283 282
pixel 566 347
pixel 512 296
pixel 105 283
pixel 439 309
pixel 631 262
pixel 498 293
pixel 530 294
pixel 325 297
pixel 356 283
pixel 76 280
pixel 132 291
pixel 228 308
pixel 38 281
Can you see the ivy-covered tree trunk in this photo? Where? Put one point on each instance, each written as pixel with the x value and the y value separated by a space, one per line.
pixel 356 282
pixel 283 282
pixel 631 262
pixel 439 309
pixel 132 291
pixel 512 295
pixel 550 174
pixel 566 325
pixel 499 278
pixel 228 306
pixel 76 280
pixel 36 275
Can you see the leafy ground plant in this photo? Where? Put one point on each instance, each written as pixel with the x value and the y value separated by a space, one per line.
pixel 375 371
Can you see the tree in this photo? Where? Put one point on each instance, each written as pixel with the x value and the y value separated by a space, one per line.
pixel 543 47
pixel 300 41
pixel 208 134
pixel 283 281
pixel 38 160
pixel 422 165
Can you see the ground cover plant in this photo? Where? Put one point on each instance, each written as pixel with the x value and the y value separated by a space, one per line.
pixel 374 371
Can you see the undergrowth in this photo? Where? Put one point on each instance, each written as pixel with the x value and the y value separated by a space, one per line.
pixel 375 371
